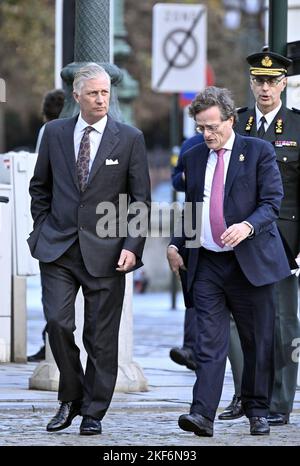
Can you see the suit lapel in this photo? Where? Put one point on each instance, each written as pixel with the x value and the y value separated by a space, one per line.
pixel 235 163
pixel 66 138
pixel 109 141
pixel 200 172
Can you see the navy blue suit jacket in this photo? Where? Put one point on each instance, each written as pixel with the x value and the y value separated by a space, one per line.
pixel 177 181
pixel 253 192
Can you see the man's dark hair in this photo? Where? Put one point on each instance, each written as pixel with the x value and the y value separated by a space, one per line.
pixel 214 96
pixel 53 104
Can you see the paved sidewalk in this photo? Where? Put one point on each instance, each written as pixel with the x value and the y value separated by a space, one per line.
pixel 148 418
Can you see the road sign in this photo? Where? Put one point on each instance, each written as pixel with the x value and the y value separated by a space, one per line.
pixel 178 47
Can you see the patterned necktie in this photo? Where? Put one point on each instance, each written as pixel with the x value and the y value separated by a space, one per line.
pixel 261 131
pixel 83 159
pixel 216 215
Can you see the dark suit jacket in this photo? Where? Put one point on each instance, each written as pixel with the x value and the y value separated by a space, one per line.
pixel 177 181
pixel 284 135
pixel 253 192
pixel 61 213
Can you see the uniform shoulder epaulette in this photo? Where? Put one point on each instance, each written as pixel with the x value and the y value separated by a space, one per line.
pixel 241 109
pixel 296 110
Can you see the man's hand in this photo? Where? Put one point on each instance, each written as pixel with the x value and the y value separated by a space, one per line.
pixel 175 260
pixel 126 261
pixel 235 234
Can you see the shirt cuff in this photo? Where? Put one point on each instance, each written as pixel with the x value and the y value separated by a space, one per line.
pixel 250 226
pixel 173 246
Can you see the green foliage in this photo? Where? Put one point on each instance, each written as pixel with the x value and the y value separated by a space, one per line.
pixel 27 46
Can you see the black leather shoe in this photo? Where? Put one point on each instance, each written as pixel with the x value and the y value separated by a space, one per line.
pixel 39 356
pixel 259 426
pixel 184 357
pixel 90 426
pixel 64 416
pixel 278 419
pixel 196 423
pixel 232 411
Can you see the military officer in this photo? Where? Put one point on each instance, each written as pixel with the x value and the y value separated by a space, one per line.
pixel 272 121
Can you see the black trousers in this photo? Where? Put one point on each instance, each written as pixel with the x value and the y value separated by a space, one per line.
pixel 103 300
pixel 220 287
pixel 189 336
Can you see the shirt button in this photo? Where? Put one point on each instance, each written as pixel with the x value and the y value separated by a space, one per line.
pixel 81 206
pixel 285 159
pixel 293 216
pixel 81 228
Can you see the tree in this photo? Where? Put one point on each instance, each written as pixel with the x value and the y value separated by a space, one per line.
pixel 27 63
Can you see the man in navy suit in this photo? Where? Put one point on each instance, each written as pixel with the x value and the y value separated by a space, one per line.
pixel 270 120
pixel 233 261
pixel 84 165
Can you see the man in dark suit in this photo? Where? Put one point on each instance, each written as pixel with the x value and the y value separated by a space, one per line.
pixel 233 186
pixel 89 172
pixel 184 355
pixel 273 122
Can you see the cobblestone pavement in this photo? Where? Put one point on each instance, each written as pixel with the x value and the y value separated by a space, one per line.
pixel 154 425
pixel 145 419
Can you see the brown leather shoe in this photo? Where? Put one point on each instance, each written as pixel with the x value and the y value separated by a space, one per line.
pixel 278 419
pixel 184 357
pixel 233 411
pixel 196 423
pixel 259 426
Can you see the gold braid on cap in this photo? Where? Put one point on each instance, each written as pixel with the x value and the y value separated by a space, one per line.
pixel 267 72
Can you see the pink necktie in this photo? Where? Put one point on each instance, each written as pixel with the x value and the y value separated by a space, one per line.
pixel 216 215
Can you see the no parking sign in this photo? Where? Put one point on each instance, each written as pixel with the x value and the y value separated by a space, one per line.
pixel 178 47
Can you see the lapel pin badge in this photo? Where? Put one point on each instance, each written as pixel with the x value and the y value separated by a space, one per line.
pixel 241 158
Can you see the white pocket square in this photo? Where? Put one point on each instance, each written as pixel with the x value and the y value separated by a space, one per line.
pixel 111 162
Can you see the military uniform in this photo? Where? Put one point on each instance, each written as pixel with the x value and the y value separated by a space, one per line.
pixel 284 134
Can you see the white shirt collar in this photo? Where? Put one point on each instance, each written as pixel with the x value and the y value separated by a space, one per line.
pixel 268 116
pixel 228 144
pixel 98 126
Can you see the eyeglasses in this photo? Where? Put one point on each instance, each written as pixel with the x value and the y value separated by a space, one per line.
pixel 272 82
pixel 208 128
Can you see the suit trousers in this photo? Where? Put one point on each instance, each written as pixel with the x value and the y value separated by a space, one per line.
pixel 220 287
pixel 103 300
pixel 235 356
pixel 287 331
pixel 189 337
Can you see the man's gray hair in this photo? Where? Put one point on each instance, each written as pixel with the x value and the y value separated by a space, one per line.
pixel 214 96
pixel 90 71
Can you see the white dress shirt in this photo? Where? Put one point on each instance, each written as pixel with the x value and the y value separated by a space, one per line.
pixel 268 116
pixel 206 239
pixel 95 136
